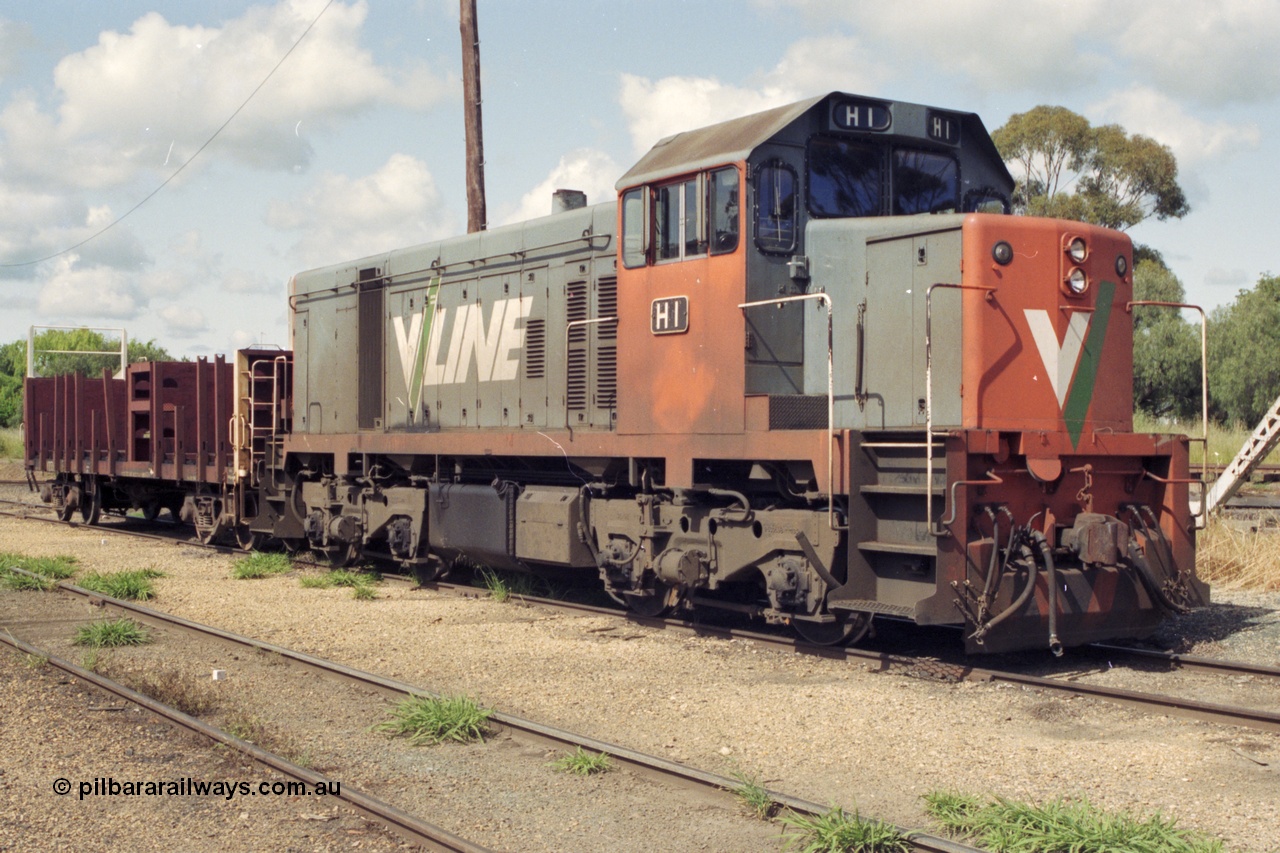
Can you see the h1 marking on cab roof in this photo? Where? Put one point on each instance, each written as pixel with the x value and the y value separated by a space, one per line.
pixel 669 315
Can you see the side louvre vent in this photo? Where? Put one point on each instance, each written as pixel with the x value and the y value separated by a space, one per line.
pixel 577 308
pixel 535 349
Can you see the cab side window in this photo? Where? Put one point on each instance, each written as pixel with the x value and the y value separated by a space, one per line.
pixel 723 205
pixel 776 208
pixel 635 228
pixel 679 222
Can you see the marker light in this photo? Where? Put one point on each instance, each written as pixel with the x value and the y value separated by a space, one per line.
pixel 1002 253
pixel 1077 250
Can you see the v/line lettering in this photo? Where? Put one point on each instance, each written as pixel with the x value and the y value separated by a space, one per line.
pixel 490 336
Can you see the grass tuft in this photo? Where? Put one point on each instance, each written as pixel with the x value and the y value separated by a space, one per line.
pixel 131 585
pixel 50 569
pixel 429 720
pixel 111 633
pixel 503 586
pixel 1075 825
pixel 26 583
pixel 260 565
pixel 754 797
pixel 364 592
pixel 583 763
pixel 836 831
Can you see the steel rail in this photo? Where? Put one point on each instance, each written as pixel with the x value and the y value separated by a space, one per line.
pixel 1194 662
pixel 884 661
pixel 651 765
pixel 407 826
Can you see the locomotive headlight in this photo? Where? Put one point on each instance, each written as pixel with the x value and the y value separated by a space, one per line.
pixel 1002 253
pixel 1077 281
pixel 1077 250
pixel 1122 265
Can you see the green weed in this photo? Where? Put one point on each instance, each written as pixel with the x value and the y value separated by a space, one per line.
pixel 26 583
pixel 428 720
pixel 583 763
pixel 111 633
pixel 1076 825
pixel 835 832
pixel 260 565
pixel 753 795
pixel 129 585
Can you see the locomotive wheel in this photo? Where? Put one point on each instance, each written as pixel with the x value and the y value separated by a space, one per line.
pixel 848 627
pixel 432 570
pixel 151 510
pixel 248 540
pixel 293 546
pixel 342 556
pixel 657 604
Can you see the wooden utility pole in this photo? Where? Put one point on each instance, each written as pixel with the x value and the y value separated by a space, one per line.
pixel 476 214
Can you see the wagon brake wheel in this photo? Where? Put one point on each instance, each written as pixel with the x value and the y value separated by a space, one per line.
pixel 848 627
pixel 91 505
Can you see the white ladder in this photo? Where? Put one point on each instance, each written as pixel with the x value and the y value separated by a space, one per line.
pixel 1264 439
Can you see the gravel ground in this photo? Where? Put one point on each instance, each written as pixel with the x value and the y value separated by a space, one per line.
pixel 824 730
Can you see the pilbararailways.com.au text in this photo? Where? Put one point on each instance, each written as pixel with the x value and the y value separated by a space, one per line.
pixel 188 787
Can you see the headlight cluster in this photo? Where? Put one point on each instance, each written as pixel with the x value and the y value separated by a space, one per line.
pixel 1076 280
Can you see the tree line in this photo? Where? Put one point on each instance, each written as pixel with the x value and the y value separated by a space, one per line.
pixel 63 351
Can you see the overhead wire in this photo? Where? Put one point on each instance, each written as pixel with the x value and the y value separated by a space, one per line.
pixel 188 161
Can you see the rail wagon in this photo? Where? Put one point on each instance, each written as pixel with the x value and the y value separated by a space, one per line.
pixel 805 367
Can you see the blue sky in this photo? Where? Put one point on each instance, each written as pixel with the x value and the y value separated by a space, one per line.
pixel 355 145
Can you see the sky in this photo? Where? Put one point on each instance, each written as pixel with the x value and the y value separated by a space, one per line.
pixel 234 170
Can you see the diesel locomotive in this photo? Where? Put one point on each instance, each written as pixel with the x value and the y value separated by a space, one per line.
pixel 807 367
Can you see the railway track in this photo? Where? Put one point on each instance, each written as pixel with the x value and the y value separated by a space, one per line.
pixel 673 773
pixel 923 666
pixel 407 826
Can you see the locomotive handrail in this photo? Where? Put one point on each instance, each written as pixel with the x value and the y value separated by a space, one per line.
pixel 928 398
pixel 1204 390
pixel 831 391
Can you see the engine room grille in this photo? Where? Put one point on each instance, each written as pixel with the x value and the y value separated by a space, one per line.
pixel 607 306
pixel 535 349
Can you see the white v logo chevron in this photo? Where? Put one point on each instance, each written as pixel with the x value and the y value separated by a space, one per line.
pixel 1059 360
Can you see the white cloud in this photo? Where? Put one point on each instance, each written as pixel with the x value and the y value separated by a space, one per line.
pixel 183 321
pixel 996 44
pixel 73 293
pixel 343 217
pixel 1215 52
pixel 657 109
pixel 145 100
pixel 1140 109
pixel 592 172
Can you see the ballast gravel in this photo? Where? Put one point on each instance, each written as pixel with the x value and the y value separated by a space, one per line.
pixel 824 730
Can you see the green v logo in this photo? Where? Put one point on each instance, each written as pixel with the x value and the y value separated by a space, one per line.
pixel 1072 366
pixel 413 342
